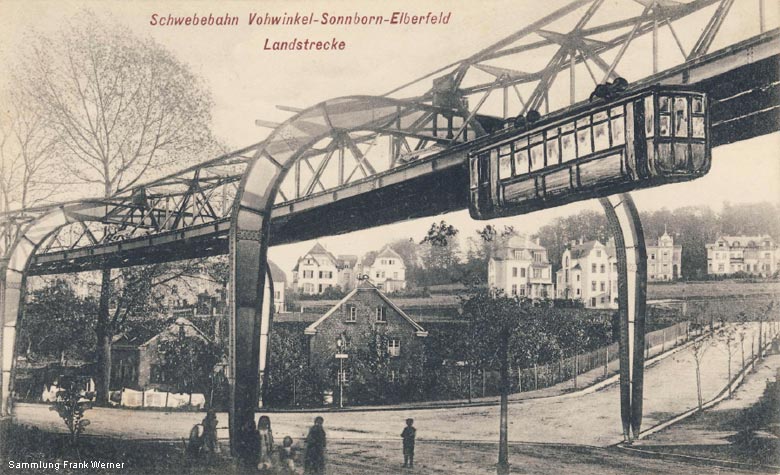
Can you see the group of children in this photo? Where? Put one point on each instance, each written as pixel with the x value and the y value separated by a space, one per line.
pixel 258 447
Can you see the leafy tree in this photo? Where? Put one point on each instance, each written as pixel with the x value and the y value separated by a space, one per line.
pixel 188 361
pixel 123 109
pixel 57 323
pixel 493 319
pixel 291 380
pixel 439 252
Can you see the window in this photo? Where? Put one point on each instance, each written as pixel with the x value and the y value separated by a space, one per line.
pixel 603 268
pixel 537 273
pixel 522 291
pixel 518 254
pixel 603 299
pixel 514 271
pixel 308 274
pixel 593 268
pixel 538 257
pixel 394 347
pixel 352 313
pixel 593 286
pixel 308 288
pixel 522 272
pixel 395 275
pixel 578 291
pixel 514 289
pixel 277 294
pixel 326 274
pixel 578 277
pixel 593 301
pixel 381 314
pixel 602 287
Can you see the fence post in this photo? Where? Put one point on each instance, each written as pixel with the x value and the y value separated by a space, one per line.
pixel 663 340
pixel 483 383
pixel 519 380
pixel 606 362
pixel 576 368
pixel 536 378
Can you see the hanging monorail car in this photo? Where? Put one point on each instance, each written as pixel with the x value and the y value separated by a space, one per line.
pixel 646 138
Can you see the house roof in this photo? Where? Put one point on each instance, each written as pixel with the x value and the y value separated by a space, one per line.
pixel 388 251
pixel 581 250
pixel 366 286
pixel 522 242
pixel 277 274
pixel 140 336
pixel 347 261
pixel 744 240
pixel 317 252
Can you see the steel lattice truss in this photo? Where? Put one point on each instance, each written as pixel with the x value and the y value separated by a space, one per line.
pixel 550 64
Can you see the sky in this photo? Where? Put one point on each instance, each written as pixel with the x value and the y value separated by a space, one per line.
pixel 248 82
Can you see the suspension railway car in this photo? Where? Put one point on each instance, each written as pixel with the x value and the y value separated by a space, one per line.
pixel 646 138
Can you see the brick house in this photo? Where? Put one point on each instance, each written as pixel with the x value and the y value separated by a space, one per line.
pixel 135 357
pixel 369 326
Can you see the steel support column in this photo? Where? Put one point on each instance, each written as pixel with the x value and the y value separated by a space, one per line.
pixel 249 237
pixel 626 228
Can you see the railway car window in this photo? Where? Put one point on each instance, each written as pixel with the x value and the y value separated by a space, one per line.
pixel 583 122
pixel 567 147
pixel 583 142
pixel 618 134
pixel 475 167
pixel 537 152
pixel 663 125
pixel 521 161
pixel 663 104
pixel 552 151
pixel 601 136
pixel 505 166
pixel 698 105
pixel 649 117
pixel 537 157
pixel 698 127
pixel 505 150
pixel 680 117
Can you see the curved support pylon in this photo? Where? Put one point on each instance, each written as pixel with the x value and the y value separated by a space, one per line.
pixel 626 228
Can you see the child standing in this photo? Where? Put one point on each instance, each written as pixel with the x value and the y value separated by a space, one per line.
pixel 287 456
pixel 408 436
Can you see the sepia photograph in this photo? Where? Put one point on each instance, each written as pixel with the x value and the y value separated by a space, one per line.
pixel 352 237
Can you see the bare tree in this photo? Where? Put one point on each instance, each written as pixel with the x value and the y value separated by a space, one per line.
pixel 26 154
pixel 124 110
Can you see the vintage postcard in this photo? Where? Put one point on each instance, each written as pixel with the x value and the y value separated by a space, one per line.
pixel 360 237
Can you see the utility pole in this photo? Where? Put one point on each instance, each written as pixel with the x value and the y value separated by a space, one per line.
pixel 503 443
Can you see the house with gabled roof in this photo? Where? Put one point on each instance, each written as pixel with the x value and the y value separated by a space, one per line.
pixel 520 268
pixel 366 325
pixel 319 269
pixel 388 271
pixel 135 355
pixel 756 255
pixel 589 273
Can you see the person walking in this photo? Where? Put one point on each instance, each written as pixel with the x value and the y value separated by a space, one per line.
pixel 314 461
pixel 408 435
pixel 266 445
